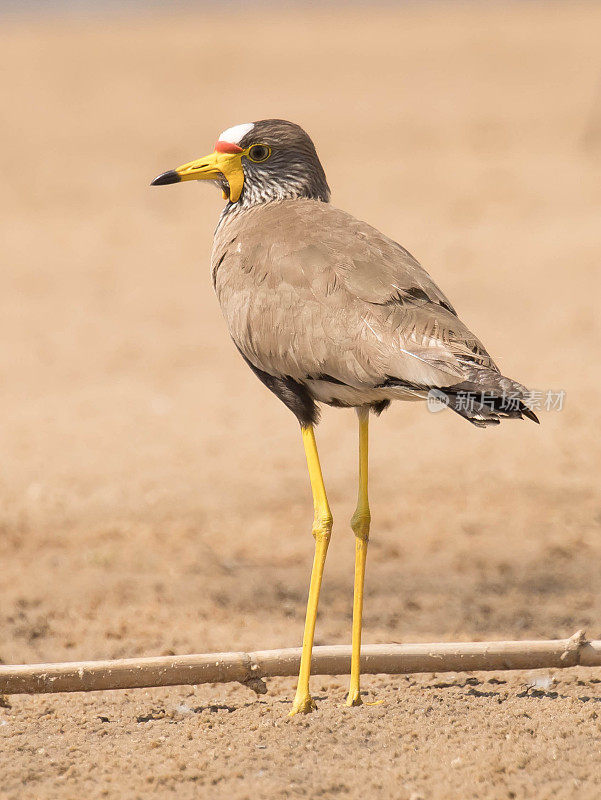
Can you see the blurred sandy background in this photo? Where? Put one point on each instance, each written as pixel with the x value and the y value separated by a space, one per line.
pixel 153 494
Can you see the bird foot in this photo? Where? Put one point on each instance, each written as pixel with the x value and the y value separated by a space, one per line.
pixel 354 698
pixel 303 704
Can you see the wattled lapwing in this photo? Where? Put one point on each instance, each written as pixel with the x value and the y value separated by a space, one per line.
pixel 326 309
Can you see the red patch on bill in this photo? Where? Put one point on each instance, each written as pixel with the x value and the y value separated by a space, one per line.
pixel 227 147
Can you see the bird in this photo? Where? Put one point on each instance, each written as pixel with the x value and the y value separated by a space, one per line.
pixel 326 309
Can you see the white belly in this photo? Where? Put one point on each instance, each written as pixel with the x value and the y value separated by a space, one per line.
pixel 339 394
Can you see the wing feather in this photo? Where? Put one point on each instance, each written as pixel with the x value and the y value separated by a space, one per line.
pixel 308 289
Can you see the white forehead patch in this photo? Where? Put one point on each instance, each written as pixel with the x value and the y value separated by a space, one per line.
pixel 235 134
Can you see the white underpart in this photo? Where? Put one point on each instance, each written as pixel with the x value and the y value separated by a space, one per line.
pixel 237 133
pixel 326 392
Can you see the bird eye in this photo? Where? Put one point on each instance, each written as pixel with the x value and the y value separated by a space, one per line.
pixel 259 152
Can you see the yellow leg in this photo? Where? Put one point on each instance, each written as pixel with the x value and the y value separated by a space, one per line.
pixel 322 526
pixel 360 525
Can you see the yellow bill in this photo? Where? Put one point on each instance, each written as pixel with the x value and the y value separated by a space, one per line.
pixel 213 167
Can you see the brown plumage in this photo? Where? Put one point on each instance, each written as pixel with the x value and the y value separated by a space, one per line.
pixel 311 294
pixel 326 309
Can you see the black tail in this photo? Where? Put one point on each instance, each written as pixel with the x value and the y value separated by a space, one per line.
pixel 487 400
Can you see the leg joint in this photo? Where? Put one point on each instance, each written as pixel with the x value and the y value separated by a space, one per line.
pixel 322 526
pixel 360 523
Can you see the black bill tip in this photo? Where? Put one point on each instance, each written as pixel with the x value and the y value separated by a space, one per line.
pixel 166 177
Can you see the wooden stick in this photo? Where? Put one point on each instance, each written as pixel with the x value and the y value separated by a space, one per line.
pixel 249 668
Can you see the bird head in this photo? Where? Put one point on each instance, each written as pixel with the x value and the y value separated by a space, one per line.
pixel 258 162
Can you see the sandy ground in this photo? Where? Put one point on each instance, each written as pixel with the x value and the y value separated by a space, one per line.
pixel 153 494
